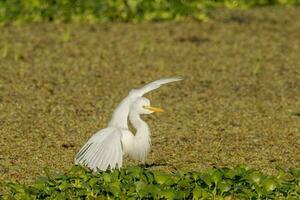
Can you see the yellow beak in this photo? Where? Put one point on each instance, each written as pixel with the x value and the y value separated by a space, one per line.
pixel 154 109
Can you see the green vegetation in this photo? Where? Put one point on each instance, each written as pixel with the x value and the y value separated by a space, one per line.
pixel 118 10
pixel 139 183
pixel 294 113
pixel 60 83
pixel 238 104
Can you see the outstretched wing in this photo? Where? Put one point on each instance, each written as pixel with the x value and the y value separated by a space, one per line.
pixel 120 115
pixel 103 150
pixel 154 85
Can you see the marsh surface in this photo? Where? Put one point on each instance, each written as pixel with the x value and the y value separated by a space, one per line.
pixel 59 84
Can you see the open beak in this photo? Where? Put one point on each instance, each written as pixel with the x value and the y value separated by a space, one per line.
pixel 154 109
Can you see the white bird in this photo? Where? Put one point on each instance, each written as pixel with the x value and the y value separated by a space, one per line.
pixel 105 149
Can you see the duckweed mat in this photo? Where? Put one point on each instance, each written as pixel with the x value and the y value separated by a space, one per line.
pixel 238 104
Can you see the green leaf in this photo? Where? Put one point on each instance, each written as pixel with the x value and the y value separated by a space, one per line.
pixel 216 176
pixel 229 173
pixel 134 171
pixel 168 194
pixel 154 190
pixel 269 185
pixel 255 177
pixel 115 188
pixel 107 178
pixel 64 185
pixel 250 194
pixel 197 192
pixel 162 178
pixel 93 181
pixel 207 179
pixel 141 188
pixel 224 186
pixel 195 176
pixel 200 193
pixel 150 177
pixel 183 184
pixel 295 172
pixel 242 169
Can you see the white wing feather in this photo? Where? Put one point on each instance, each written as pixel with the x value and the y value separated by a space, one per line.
pixel 120 115
pixel 102 151
pixel 154 85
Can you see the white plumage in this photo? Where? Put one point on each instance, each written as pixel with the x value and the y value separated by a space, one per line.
pixel 105 149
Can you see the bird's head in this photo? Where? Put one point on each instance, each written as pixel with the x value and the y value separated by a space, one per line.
pixel 142 106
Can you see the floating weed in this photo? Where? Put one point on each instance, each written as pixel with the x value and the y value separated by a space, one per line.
pixel 67 35
pixel 294 113
pixel 146 46
pixel 256 69
pixel 5 50
pixel 17 52
pixel 138 183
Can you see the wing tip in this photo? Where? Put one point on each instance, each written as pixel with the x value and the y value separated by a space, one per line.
pixel 173 79
pixel 177 78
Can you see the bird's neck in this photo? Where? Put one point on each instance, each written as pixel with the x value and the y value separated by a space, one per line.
pixel 141 142
pixel 137 122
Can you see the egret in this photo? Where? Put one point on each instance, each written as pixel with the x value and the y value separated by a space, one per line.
pixel 106 148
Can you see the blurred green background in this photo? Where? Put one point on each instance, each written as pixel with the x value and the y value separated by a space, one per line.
pixel 119 10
